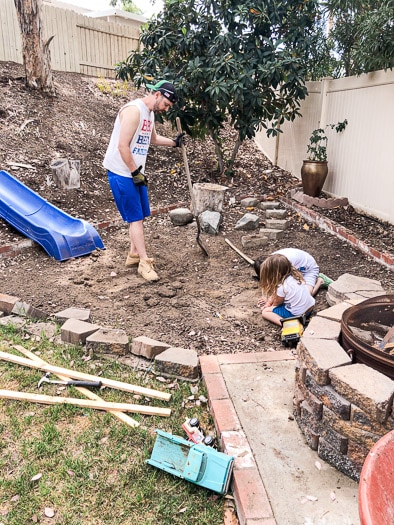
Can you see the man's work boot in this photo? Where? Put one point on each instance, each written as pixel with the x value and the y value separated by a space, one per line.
pixel 132 259
pixel 146 270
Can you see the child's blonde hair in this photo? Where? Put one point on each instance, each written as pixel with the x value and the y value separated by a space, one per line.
pixel 274 270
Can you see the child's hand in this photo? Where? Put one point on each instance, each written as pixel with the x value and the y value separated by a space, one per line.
pixel 261 302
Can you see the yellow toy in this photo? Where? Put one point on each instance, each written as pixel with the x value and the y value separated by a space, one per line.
pixel 292 330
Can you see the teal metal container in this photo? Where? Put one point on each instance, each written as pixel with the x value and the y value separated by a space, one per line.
pixel 197 463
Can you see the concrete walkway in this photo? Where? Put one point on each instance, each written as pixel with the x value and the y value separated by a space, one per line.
pixel 277 478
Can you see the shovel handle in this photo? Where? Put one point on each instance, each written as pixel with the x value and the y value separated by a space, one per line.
pixel 186 163
pixel 91 384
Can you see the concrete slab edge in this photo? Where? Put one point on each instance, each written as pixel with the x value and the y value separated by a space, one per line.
pixel 251 499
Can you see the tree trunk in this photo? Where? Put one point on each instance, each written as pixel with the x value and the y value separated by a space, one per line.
pixel 35 52
pixel 234 154
pixel 208 196
pixel 218 151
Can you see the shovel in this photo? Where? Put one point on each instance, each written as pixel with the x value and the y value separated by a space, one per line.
pixel 189 182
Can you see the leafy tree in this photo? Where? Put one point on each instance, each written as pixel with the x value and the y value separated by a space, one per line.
pixel 362 35
pixel 35 51
pixel 126 5
pixel 319 60
pixel 236 60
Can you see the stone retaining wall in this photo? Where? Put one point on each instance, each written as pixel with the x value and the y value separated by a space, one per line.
pixel 342 408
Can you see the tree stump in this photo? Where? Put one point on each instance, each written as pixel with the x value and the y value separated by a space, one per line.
pixel 208 196
pixel 66 174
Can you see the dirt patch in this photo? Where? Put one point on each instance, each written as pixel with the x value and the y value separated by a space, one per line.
pixel 209 305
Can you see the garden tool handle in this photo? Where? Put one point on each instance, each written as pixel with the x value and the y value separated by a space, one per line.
pixel 186 163
pixel 87 384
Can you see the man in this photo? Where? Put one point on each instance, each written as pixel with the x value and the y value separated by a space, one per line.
pixel 125 159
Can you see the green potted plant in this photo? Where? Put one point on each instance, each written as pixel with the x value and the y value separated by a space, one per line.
pixel 315 168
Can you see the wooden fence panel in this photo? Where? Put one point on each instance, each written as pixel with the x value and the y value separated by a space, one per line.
pixel 10 39
pixel 103 44
pixel 64 46
pixel 81 44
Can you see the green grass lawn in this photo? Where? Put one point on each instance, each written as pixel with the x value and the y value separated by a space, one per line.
pixel 83 466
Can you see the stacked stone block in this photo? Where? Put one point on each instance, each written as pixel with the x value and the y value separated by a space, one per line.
pixel 342 408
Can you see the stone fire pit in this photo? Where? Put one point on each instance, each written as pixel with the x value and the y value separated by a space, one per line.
pixel 368 333
pixel 343 408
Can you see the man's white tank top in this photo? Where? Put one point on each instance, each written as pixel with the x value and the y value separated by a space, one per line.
pixel 139 144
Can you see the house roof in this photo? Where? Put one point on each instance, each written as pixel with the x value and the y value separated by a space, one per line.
pixel 97 14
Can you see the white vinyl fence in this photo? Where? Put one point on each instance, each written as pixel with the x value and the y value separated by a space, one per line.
pixel 361 158
pixel 81 44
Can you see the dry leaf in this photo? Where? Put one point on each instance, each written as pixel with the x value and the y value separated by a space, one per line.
pixel 306 227
pixel 36 477
pixel 49 512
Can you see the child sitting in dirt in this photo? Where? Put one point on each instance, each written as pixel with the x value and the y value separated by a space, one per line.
pixel 305 263
pixel 284 292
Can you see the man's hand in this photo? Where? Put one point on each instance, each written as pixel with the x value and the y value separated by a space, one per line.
pixel 179 139
pixel 139 178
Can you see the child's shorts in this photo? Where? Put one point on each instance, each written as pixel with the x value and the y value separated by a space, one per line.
pixel 282 311
pixel 131 200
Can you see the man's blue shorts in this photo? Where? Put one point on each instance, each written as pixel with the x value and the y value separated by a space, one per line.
pixel 282 311
pixel 132 201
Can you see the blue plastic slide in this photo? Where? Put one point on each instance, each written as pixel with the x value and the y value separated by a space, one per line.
pixel 61 235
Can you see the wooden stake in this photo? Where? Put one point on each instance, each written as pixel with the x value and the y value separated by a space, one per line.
pixel 111 383
pixel 85 403
pixel 84 391
pixel 245 257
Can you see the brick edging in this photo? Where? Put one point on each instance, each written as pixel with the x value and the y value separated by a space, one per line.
pixel 322 222
pixel 341 232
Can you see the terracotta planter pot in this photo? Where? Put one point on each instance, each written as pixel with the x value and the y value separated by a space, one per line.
pixel 313 176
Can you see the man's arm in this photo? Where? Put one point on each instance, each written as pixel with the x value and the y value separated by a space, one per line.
pixel 159 140
pixel 129 121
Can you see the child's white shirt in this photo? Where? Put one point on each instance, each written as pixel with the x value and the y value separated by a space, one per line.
pixel 302 261
pixel 297 298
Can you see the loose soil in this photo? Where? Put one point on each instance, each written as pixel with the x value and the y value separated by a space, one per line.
pixel 207 304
